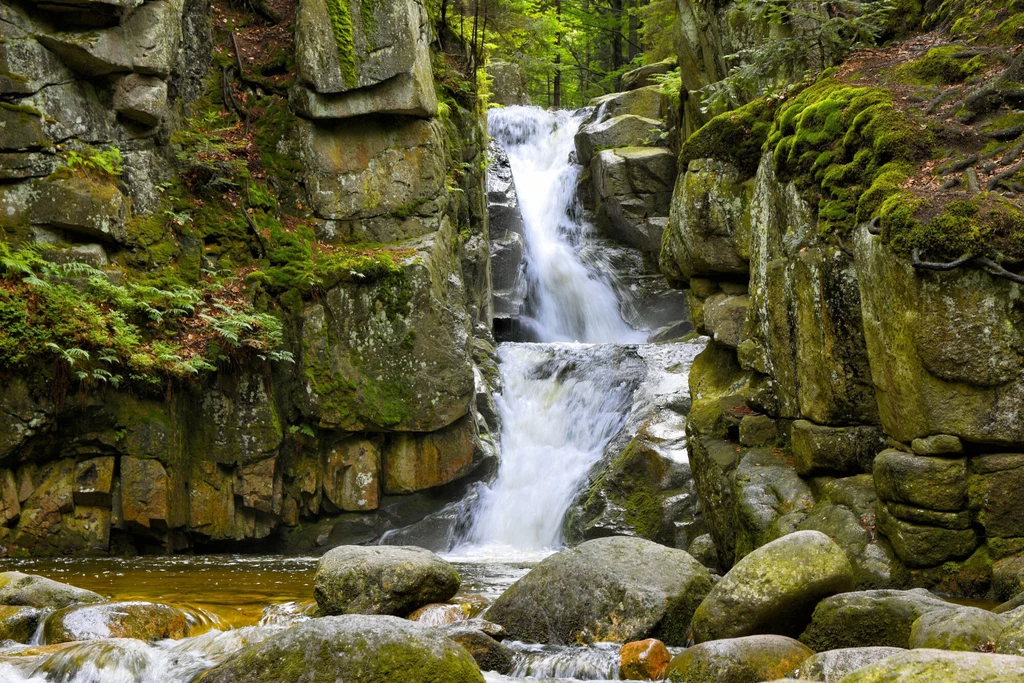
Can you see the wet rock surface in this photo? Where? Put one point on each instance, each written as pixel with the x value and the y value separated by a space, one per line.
pixel 361 649
pixel 616 589
pixel 382 580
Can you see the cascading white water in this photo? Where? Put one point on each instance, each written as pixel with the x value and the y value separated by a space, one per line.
pixel 572 301
pixel 561 405
pixel 562 402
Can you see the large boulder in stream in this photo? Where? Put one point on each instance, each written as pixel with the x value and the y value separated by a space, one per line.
pixel 382 580
pixel 141 620
pixel 774 589
pixel 19 623
pixel 870 618
pixel 939 666
pixel 36 591
pixel 832 665
pixel 965 629
pixel 353 649
pixel 611 589
pixel 738 660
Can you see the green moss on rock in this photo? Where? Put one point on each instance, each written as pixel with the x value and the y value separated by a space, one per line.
pixel 344 36
pixel 942 66
pixel 736 137
pixel 985 224
pixel 848 147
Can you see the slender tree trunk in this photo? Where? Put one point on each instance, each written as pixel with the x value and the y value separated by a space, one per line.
pixel 634 30
pixel 616 6
pixel 472 47
pixel 558 55
pixel 443 24
pixel 483 31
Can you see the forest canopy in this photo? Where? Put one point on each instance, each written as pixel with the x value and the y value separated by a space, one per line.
pixel 571 50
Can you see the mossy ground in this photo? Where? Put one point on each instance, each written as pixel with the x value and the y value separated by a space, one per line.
pixel 872 139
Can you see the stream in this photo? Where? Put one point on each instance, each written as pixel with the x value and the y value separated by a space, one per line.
pixel 566 397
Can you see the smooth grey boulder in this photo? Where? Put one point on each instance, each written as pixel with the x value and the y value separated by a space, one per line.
pixel 964 629
pixel 644 75
pixel 615 589
pixel 36 591
pixel 875 618
pixel 647 102
pixel 633 188
pixel 508 83
pixel 939 666
pixel 481 640
pixel 627 130
pixel 774 589
pixel 832 665
pixel 353 649
pixel 382 580
pixel 724 317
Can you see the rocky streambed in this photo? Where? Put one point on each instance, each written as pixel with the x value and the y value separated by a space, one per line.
pixel 609 609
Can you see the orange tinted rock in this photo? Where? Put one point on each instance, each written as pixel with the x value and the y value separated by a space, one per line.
pixel 644 660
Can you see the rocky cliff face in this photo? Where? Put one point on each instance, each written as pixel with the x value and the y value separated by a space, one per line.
pixel 851 385
pixel 315 166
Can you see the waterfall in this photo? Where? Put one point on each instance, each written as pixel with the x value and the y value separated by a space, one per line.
pixel 566 397
pixel 569 300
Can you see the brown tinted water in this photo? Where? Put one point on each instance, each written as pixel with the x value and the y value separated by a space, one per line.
pixel 237 590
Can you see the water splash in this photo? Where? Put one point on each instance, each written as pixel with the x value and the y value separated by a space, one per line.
pixel 561 405
pixel 570 300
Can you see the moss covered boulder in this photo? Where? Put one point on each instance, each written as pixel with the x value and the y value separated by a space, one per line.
pixel 354 649
pixel 875 618
pixel 965 629
pixel 709 233
pixel 1011 638
pixel 37 591
pixel 382 580
pixel 141 620
pixel 751 659
pixel 832 665
pixel 19 623
pixel 387 348
pixel 928 482
pixel 774 589
pixel 938 666
pixel 610 589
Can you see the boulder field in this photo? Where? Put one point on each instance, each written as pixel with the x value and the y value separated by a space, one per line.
pixel 847 636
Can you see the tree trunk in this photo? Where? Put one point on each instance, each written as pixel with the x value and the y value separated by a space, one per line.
pixel 617 62
pixel 558 55
pixel 634 30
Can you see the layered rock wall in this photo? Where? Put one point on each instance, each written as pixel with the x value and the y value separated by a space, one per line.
pixel 843 390
pixel 377 416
